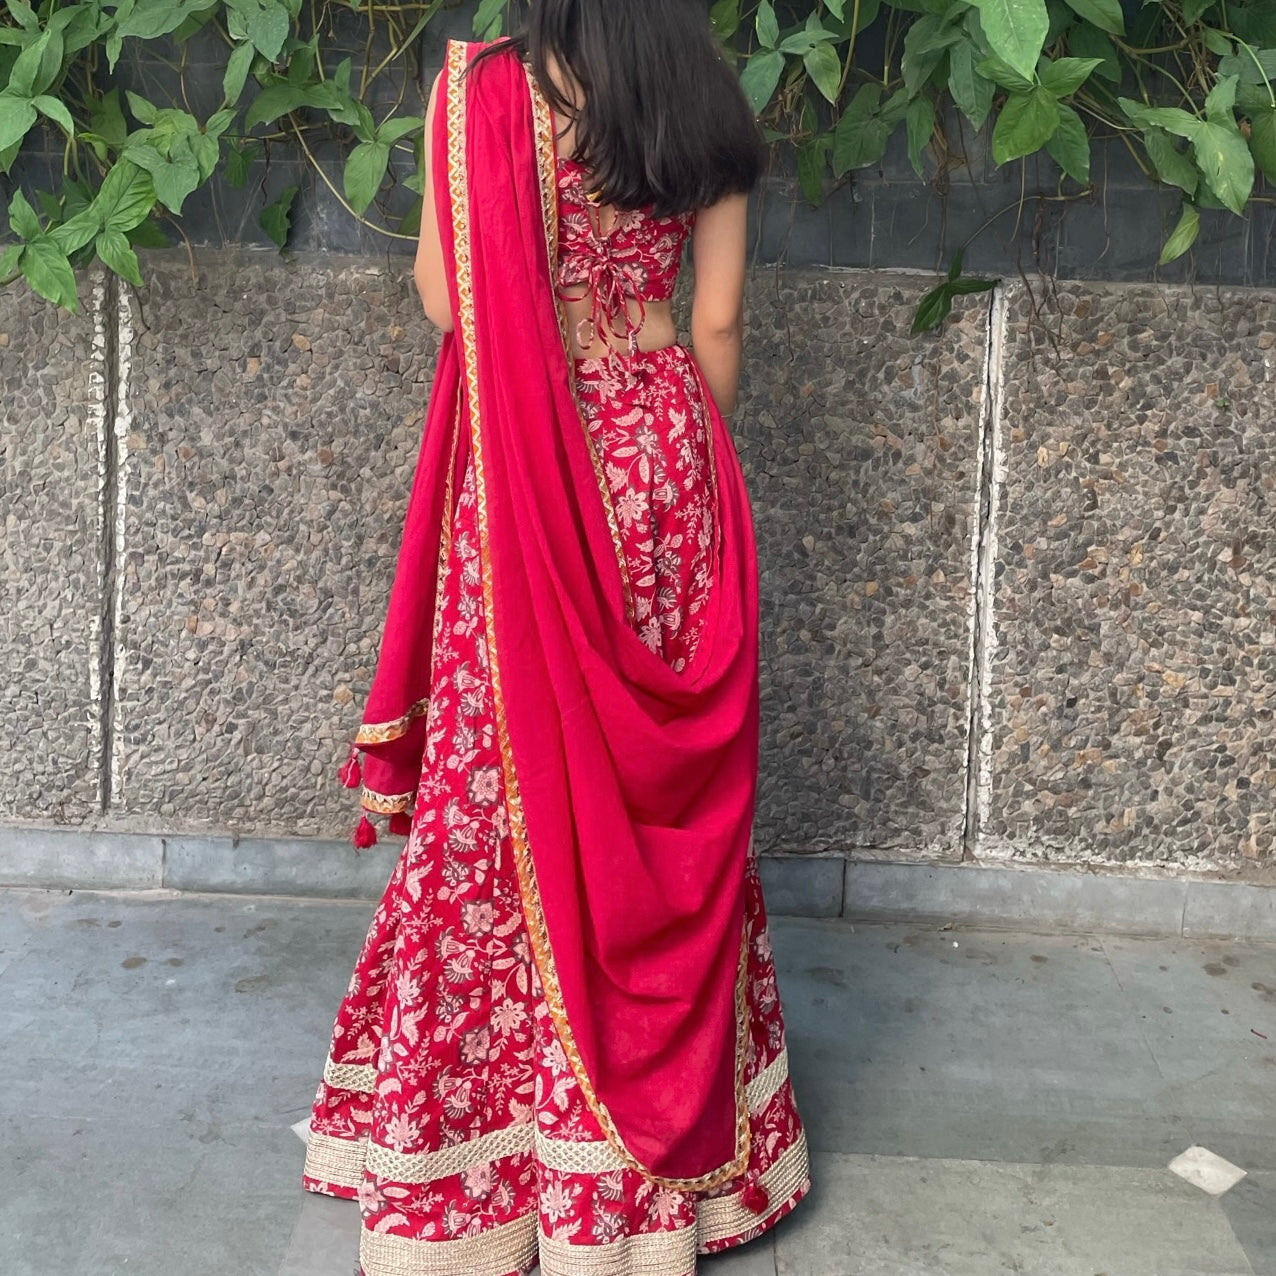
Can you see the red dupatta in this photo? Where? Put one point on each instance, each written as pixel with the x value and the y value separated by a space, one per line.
pixel 630 787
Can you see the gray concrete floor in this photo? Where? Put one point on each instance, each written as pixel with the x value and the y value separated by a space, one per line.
pixel 978 1102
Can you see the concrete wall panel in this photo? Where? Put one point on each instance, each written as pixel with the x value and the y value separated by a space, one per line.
pixel 276 417
pixel 1132 674
pixel 52 369
pixel 861 444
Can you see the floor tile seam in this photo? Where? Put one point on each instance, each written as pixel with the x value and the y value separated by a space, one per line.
pixel 1131 1007
pixel 304 1073
pixel 818 1153
pixel 171 895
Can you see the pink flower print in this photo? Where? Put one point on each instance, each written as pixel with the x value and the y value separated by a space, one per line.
pixel 407 989
pixel 458 1102
pixel 610 1186
pixel 665 494
pixel 458 1222
pixel 463 838
pixel 370 1198
pixel 468 685
pixel 608 1225
pixel 484 785
pixel 617 477
pixel 555 1057
pixel 666 1205
pixel 648 440
pixel 503 1198
pixel 631 507
pixel 650 634
pixel 475 1045
pixel 477 1182
pixel 479 917
pixel 460 966
pixel 668 560
pixel 508 1017
pixel 558 1201
pixel 400 1131
pixel 765 992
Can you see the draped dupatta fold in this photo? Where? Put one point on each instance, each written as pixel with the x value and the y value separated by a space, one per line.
pixel 630 788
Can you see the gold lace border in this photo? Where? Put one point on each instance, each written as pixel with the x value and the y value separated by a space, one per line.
pixel 384 732
pixel 518 1243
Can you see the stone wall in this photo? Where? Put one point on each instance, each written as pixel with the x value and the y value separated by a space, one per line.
pixel 1019 576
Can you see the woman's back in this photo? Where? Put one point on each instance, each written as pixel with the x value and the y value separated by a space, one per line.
pixel 617 269
pixel 562 1041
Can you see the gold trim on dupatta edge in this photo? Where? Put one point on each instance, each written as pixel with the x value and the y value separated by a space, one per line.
pixel 385 803
pixel 384 732
pixel 456 63
pixel 547 146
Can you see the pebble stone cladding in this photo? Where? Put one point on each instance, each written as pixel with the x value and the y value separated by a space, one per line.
pixel 1132 676
pixel 271 415
pixel 51 378
pixel 276 417
pixel 861 446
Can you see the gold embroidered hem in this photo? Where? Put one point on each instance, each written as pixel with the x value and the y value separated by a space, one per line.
pixel 721 1222
pixel 667 1253
pixel 426 1167
pixel 506 1248
pixel 335 1161
pixel 725 1220
pixel 359 1078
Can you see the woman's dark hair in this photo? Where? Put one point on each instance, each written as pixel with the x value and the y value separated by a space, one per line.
pixel 664 120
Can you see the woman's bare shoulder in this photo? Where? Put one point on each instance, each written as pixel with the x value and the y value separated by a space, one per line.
pixel 727 214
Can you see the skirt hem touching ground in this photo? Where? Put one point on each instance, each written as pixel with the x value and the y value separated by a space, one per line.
pixel 723 1222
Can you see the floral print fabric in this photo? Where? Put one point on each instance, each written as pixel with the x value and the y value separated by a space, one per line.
pixel 448 1108
pixel 636 257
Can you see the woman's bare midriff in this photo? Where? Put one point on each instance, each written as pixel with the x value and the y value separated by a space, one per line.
pixel 658 329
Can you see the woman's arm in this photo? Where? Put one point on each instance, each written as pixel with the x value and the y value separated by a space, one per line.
pixel 718 248
pixel 431 282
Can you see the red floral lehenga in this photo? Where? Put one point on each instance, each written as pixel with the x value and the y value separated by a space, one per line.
pixel 454 1104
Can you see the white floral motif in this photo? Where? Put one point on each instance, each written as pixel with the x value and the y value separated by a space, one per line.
pixel 652 433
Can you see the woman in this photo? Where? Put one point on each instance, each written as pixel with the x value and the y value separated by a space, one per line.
pixel 562 1041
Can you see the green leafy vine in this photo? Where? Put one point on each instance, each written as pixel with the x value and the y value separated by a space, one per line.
pixel 1185 85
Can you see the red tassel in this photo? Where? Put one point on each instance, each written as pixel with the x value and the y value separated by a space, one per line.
pixel 401 823
pixel 350 775
pixel 365 835
pixel 755 1197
